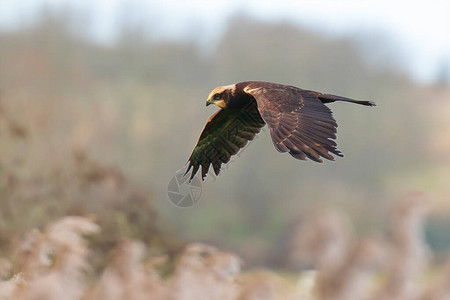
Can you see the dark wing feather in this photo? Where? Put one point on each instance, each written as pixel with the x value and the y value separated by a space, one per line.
pixel 298 121
pixel 225 133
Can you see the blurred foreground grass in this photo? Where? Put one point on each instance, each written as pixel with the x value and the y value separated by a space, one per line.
pixel 55 263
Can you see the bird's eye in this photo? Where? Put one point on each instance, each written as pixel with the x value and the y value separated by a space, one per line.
pixel 216 96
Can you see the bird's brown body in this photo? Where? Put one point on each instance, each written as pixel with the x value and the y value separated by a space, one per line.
pixel 299 123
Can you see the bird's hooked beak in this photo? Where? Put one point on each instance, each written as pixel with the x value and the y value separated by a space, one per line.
pixel 220 103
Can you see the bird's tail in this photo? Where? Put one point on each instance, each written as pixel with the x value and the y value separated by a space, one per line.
pixel 327 98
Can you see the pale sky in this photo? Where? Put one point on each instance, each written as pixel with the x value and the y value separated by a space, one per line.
pixel 420 28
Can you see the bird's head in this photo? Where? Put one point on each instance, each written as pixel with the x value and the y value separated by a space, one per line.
pixel 221 96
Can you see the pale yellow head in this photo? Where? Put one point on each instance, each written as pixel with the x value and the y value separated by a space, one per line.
pixel 221 95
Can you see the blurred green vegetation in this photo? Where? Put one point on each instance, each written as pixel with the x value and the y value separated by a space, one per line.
pixel 138 105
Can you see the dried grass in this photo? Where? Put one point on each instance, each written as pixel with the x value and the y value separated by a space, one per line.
pixel 52 264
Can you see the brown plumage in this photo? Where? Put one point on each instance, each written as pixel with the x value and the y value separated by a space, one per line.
pixel 298 121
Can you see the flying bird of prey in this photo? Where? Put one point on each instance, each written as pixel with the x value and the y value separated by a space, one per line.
pixel 299 123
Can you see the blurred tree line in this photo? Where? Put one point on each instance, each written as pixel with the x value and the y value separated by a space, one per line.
pixel 138 104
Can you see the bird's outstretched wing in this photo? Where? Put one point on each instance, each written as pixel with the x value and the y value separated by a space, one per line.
pixel 224 134
pixel 298 121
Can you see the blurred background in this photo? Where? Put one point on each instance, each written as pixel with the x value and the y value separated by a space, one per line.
pixel 102 102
